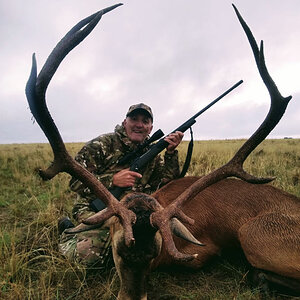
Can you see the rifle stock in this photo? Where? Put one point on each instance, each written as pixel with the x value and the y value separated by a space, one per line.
pixel 141 162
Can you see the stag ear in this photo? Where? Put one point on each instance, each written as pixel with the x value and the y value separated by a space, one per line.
pixel 181 231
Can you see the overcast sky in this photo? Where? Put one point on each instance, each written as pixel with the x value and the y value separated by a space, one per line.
pixel 174 55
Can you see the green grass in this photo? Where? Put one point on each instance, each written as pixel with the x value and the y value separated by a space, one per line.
pixel 32 268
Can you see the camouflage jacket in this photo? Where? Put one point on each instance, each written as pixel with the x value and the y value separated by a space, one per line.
pixel 101 155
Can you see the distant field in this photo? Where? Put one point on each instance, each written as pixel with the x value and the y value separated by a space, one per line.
pixel 31 267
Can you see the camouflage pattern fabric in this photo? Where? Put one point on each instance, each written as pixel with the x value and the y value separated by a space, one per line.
pixel 91 249
pixel 100 156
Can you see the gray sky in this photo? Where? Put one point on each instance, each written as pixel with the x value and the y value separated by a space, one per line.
pixel 174 55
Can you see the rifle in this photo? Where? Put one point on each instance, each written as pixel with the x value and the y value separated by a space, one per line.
pixel 142 160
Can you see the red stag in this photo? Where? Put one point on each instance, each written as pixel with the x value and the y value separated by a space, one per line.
pixel 261 220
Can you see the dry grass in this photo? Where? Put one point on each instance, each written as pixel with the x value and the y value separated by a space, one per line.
pixel 32 268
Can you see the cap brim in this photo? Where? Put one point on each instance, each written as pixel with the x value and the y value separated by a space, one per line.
pixel 140 110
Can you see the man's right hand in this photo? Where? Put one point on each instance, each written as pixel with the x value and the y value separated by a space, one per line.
pixel 125 178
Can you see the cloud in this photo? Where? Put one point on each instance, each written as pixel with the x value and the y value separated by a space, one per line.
pixel 175 56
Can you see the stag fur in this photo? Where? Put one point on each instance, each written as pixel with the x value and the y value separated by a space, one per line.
pixel 223 213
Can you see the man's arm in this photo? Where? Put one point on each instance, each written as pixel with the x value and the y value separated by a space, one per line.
pixel 92 156
pixel 96 156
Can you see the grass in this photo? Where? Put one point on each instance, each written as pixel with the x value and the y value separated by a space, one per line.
pixel 32 268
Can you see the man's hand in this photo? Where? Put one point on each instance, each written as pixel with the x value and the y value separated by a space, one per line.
pixel 125 178
pixel 174 139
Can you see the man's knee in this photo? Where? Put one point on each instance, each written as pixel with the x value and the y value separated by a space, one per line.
pixel 88 248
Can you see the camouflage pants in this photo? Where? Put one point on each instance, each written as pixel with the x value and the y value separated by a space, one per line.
pixel 91 248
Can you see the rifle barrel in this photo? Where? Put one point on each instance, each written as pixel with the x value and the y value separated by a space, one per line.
pixel 216 100
pixel 187 124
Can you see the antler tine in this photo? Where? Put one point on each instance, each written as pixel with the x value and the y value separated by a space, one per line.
pixel 278 102
pixel 74 37
pixel 36 86
pixel 128 218
pixel 35 92
pixel 277 109
pixel 235 166
pixel 258 55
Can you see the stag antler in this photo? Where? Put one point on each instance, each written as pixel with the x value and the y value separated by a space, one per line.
pixel 36 90
pixel 234 167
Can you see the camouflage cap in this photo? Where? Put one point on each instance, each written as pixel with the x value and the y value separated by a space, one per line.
pixel 140 106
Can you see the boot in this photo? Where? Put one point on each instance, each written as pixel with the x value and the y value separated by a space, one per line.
pixel 64 223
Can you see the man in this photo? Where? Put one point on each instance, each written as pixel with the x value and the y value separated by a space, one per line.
pixel 101 156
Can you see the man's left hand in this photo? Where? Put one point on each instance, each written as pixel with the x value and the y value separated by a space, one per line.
pixel 174 139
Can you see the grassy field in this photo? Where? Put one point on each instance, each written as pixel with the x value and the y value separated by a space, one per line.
pixel 32 268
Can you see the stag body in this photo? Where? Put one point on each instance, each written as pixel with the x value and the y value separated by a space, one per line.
pixel 261 219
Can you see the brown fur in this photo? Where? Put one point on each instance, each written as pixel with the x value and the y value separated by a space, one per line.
pixel 261 219
pixel 133 263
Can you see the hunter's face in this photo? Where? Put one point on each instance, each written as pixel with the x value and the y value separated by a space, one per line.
pixel 137 127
